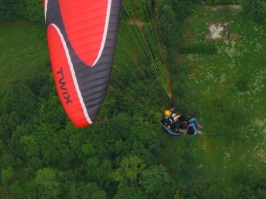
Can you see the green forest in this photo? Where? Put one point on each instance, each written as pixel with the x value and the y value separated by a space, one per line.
pixel 126 154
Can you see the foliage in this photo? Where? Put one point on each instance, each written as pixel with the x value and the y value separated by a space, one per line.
pixel 32 10
pixel 28 9
pixel 157 183
pixel 136 9
pixel 46 184
pixel 88 191
pixel 20 99
pixel 130 193
pixel 182 8
pixel 242 82
pixel 37 82
pixel 256 9
pixel 129 170
pixel 168 23
pixel 254 187
pixel 9 9
pixel 8 123
pixel 6 175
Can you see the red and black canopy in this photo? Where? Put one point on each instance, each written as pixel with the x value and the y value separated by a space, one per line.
pixel 81 38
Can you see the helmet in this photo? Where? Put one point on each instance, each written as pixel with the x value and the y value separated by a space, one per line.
pixel 167 113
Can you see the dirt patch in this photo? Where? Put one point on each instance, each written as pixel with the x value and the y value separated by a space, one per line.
pixel 215 30
pixel 231 35
pixel 137 22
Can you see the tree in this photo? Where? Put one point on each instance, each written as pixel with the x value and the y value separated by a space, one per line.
pixel 138 149
pixel 130 193
pixel 169 25
pixel 19 190
pixel 8 160
pixel 20 99
pixel 157 183
pixel 6 175
pixel 52 112
pixel 256 9
pixel 36 81
pixel 32 10
pixel 182 8
pixel 47 185
pixel 148 137
pixel 254 187
pixel 88 191
pixel 130 168
pixel 8 123
pixel 9 9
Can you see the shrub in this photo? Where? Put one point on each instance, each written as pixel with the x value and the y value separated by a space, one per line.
pixel 9 9
pixel 242 83
pixel 32 10
pixel 20 99
pixel 28 9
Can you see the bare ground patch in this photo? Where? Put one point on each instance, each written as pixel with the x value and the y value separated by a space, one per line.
pixel 137 22
pixel 217 28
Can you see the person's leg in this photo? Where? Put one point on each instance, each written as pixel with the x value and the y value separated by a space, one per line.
pixel 193 120
pixel 193 126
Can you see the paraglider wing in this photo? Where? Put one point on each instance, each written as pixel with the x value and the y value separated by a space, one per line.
pixel 81 39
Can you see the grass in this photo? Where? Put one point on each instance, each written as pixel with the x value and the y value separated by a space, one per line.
pixel 227 90
pixel 23 51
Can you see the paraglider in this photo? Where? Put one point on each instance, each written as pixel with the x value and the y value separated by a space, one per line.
pixel 81 38
pixel 176 125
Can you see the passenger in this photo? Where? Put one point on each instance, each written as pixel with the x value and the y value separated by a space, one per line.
pixel 193 126
pixel 185 122
pixel 169 122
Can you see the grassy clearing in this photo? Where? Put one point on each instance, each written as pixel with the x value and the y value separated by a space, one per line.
pixel 227 90
pixel 23 51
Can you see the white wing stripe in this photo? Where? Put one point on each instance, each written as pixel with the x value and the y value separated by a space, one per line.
pixel 73 74
pixel 105 31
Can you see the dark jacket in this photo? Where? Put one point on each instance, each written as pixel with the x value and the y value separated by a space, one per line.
pixel 167 121
pixel 183 121
pixel 174 126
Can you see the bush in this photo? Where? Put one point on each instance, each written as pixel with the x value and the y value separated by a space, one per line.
pixel 199 48
pixel 256 9
pixel 32 10
pixel 28 9
pixel 20 99
pixel 9 9
pixel 135 9
pixel 242 83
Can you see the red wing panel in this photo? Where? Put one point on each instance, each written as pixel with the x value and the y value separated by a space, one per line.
pixel 63 74
pixel 87 35
pixel 82 33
